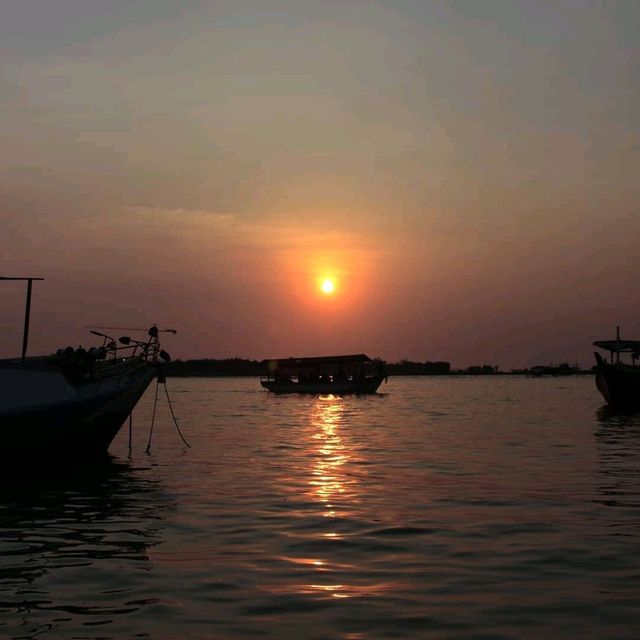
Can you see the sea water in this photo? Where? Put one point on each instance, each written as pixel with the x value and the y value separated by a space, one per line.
pixel 453 507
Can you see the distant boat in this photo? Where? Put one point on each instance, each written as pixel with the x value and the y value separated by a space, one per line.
pixel 325 375
pixel 73 402
pixel 618 381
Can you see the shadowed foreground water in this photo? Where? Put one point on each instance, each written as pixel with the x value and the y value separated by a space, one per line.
pixel 442 508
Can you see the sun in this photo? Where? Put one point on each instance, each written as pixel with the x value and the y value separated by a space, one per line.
pixel 328 286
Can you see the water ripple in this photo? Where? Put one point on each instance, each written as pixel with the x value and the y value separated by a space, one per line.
pixel 445 508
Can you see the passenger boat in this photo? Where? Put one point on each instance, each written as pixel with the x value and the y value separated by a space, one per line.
pixel 324 375
pixel 75 401
pixel 618 381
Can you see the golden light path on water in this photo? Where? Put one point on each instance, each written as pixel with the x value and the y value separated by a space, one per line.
pixel 327 479
pixel 336 491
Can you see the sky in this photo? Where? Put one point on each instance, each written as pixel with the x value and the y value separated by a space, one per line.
pixel 466 172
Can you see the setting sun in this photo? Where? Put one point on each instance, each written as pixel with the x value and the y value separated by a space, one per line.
pixel 327 286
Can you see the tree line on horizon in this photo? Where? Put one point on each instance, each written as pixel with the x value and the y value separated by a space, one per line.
pixel 212 367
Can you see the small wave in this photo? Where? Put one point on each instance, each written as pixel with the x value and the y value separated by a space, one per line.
pixel 403 531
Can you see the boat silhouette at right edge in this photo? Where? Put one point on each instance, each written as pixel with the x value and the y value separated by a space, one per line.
pixel 619 381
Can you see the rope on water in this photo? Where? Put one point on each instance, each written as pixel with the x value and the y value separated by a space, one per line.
pixel 173 415
pixel 153 417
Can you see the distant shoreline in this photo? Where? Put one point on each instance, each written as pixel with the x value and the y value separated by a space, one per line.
pixel 239 367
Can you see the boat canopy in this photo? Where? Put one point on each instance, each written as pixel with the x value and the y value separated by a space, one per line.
pixel 324 364
pixel 619 346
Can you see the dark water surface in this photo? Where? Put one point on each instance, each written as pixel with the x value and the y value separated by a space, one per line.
pixel 442 508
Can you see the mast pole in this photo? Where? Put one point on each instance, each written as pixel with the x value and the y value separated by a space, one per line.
pixel 27 311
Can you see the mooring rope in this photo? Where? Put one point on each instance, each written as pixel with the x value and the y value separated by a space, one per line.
pixel 173 415
pixel 153 417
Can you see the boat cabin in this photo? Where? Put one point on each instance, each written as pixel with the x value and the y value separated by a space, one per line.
pixel 355 373
pixel 619 347
pixel 320 369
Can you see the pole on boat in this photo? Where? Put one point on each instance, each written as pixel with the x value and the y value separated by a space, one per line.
pixel 27 311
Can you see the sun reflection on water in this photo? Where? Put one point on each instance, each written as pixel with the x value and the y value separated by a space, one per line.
pixel 333 467
pixel 330 456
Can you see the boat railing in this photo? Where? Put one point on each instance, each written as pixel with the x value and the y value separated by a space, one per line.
pixel 127 347
pixel 90 364
pixel 112 351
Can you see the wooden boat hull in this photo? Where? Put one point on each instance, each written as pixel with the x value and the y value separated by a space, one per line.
pixel 368 385
pixel 619 385
pixel 48 416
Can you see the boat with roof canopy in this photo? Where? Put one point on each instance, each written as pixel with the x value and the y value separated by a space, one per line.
pixel 619 381
pixel 347 374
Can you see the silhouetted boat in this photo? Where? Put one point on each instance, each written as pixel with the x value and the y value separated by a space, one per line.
pixel 617 381
pixel 75 401
pixel 322 375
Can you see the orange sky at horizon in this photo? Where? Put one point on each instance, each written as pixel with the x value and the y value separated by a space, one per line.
pixel 465 172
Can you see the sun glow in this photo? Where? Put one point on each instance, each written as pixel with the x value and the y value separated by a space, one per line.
pixel 328 286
